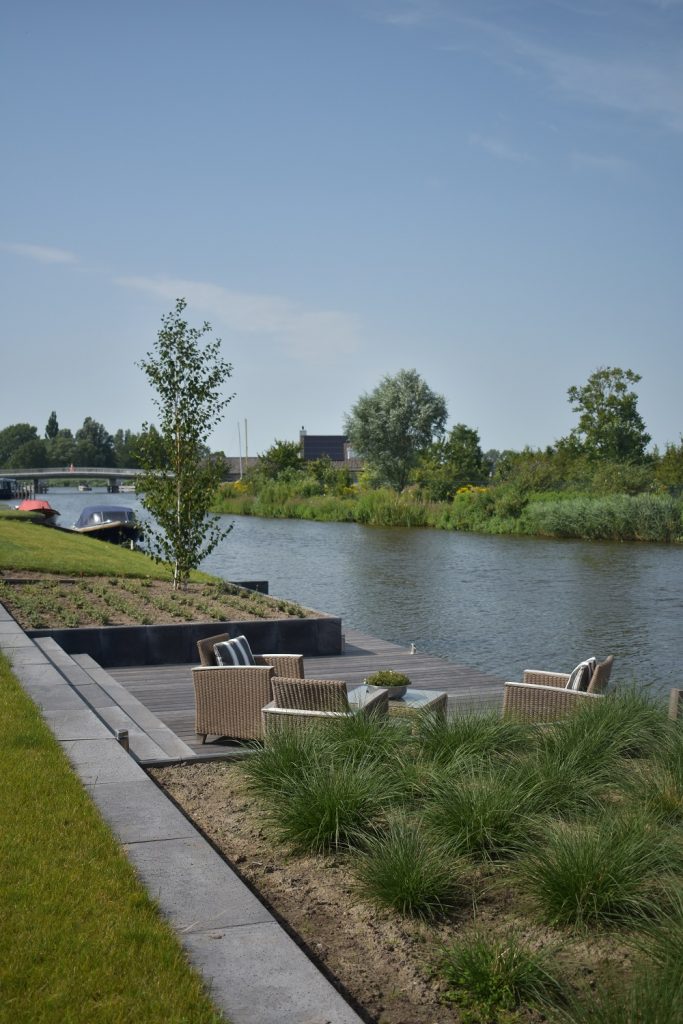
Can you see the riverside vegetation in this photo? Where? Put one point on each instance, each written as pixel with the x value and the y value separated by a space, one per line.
pixel 476 869
pixel 505 507
pixel 598 483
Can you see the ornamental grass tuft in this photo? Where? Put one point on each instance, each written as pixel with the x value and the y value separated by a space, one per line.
pixel 609 870
pixel 489 976
pixel 478 735
pixel 327 808
pixel 407 869
pixel 485 812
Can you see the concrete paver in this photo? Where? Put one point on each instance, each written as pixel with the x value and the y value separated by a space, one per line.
pixel 139 812
pixel 290 989
pixel 215 898
pixel 101 761
pixel 76 725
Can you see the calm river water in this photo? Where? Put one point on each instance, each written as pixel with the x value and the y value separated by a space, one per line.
pixel 500 604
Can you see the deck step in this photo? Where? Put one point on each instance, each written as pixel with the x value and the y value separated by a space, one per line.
pixel 150 740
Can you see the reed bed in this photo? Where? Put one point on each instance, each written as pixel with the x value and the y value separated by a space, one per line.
pixel 500 509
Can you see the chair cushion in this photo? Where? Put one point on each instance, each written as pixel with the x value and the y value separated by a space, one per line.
pixel 234 652
pixel 581 676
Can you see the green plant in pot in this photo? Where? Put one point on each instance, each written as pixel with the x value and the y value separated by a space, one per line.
pixel 395 682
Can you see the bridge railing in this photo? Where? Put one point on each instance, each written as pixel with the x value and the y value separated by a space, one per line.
pixel 69 471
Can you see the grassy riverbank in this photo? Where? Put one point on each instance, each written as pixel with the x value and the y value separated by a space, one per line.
pixel 81 940
pixel 53 579
pixel 501 510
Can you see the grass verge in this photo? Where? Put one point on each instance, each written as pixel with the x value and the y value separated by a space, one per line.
pixel 81 940
pixel 34 547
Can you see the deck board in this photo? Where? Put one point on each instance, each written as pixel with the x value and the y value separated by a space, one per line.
pixel 167 689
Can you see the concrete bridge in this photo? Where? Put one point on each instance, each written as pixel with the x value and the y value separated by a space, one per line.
pixel 35 480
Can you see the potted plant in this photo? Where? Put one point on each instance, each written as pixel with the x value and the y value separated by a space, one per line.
pixel 395 682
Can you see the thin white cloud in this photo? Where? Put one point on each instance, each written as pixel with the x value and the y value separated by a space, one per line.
pixel 613 165
pixel 405 13
pixel 40 253
pixel 631 86
pixel 498 148
pixel 647 86
pixel 318 335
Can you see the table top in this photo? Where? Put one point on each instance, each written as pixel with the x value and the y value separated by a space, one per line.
pixel 418 699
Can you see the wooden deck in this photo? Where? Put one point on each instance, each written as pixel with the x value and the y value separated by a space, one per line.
pixel 167 689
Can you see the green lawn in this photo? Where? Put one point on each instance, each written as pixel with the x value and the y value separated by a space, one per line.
pixel 81 941
pixel 32 546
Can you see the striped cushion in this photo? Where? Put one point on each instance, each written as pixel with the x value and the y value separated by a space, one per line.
pixel 234 652
pixel 582 675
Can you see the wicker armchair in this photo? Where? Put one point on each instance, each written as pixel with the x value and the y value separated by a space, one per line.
pixel 543 697
pixel 309 702
pixel 229 699
pixel 290 665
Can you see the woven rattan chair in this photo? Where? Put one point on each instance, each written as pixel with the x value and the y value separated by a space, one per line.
pixel 302 703
pixel 229 699
pixel 543 697
pixel 289 665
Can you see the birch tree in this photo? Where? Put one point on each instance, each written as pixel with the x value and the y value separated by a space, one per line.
pixel 180 478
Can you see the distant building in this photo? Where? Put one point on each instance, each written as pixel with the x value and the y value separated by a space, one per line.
pixel 313 446
pixel 335 446
pixel 317 446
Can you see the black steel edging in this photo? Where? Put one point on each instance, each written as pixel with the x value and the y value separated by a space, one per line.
pixel 176 643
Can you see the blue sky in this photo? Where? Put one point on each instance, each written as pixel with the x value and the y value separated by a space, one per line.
pixel 488 191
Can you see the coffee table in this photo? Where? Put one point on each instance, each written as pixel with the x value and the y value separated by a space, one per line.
pixel 414 701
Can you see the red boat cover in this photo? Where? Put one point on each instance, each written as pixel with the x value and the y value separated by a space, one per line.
pixel 36 505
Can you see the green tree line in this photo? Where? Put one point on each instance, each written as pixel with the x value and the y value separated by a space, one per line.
pixel 599 481
pixel 23 447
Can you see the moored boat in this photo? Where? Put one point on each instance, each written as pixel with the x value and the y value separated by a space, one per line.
pixel 109 522
pixel 38 506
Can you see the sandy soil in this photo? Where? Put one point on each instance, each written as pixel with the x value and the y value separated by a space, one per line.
pixel 382 960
